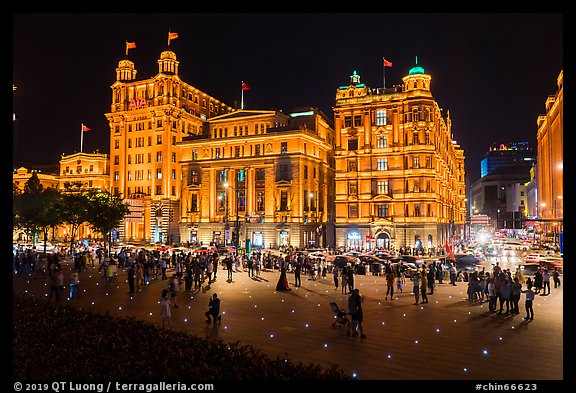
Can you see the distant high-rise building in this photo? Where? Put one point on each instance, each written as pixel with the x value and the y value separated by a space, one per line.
pixel 511 154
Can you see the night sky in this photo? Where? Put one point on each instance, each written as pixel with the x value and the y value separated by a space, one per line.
pixel 493 72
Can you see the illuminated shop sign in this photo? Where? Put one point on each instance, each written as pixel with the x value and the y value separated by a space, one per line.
pixel 354 236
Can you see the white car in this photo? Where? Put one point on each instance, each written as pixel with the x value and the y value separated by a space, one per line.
pixel 534 257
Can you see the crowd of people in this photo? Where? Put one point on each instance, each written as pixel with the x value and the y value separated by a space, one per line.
pixel 193 269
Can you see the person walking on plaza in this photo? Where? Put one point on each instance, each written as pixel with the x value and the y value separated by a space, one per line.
pixel 297 271
pixel 344 276
pixel 556 278
pixel 538 281
pixel 431 276
pixel 390 277
pixel 131 279
pixel 491 295
pixel 165 312
pixel 74 279
pixel 505 296
pixel 546 282
pixel 250 267
pixel 515 295
pixel 335 274
pixel 174 289
pixel 453 273
pixel 416 289
pixel 424 286
pixel 213 313
pixel 228 262
pixel 139 275
pixel 350 279
pixel 355 310
pixel 528 302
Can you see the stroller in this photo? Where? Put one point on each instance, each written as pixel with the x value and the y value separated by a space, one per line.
pixel 340 315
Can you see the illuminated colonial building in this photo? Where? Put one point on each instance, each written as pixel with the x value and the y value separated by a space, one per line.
pixel 148 118
pixel 21 175
pixel 550 158
pixel 399 173
pixel 83 172
pixel 87 170
pixel 266 173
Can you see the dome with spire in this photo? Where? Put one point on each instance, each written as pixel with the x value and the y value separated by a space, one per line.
pixel 416 69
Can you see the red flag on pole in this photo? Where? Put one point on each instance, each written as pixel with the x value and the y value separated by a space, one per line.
pixel 246 86
pixel 387 63
pixel 130 45
pixel 172 36
pixel 84 128
pixel 449 251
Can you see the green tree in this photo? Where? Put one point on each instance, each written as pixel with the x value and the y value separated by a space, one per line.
pixel 50 214
pixel 75 207
pixel 105 212
pixel 27 206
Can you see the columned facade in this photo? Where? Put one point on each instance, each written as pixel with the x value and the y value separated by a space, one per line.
pixel 399 173
pixel 265 175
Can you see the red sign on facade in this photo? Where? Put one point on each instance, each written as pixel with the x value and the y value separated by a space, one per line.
pixel 137 103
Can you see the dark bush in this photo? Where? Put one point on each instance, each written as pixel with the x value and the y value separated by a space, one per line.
pixel 59 341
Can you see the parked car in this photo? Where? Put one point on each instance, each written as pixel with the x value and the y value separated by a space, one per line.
pixel 534 257
pixel 345 260
pixel 466 262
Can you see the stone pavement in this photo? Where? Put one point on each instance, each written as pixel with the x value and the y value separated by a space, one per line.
pixel 449 338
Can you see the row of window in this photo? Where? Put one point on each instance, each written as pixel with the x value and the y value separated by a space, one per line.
pixel 382 117
pixel 239 130
pixel 139 158
pixel 382 164
pixel 141 126
pixel 140 190
pixel 383 210
pixel 79 169
pixel 148 94
pixel 139 175
pixel 382 140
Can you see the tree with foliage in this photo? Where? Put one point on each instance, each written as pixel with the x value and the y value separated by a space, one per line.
pixel 50 214
pixel 75 207
pixel 105 212
pixel 26 205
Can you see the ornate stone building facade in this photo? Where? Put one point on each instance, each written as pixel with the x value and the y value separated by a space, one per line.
pixel 400 178
pixel 148 118
pixel 265 175
pixel 550 139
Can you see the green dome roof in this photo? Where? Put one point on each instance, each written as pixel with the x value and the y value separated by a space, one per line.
pixel 416 70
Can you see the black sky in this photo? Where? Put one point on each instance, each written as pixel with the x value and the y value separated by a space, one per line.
pixel 493 72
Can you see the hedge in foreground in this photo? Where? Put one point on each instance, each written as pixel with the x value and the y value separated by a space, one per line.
pixel 61 341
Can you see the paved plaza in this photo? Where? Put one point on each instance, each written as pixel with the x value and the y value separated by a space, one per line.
pixel 449 338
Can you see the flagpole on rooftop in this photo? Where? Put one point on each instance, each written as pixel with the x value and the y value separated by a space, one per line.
pixel 242 99
pixel 81 136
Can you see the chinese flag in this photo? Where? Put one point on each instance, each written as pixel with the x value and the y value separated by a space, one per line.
pixel 84 128
pixel 387 63
pixel 246 86
pixel 172 36
pixel 130 45
pixel 449 250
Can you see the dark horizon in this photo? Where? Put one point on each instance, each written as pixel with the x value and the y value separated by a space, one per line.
pixel 488 70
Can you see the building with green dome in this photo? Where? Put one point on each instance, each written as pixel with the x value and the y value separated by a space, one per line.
pixel 400 174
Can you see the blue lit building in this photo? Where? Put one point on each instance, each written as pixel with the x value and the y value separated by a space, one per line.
pixel 512 154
